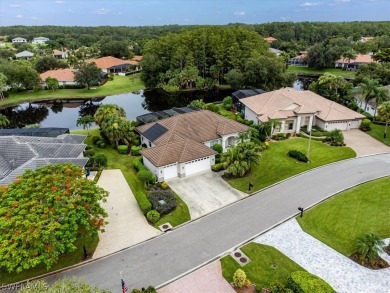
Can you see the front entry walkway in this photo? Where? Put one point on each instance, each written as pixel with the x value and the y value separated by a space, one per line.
pixel 363 144
pixel 343 274
pixel 126 223
pixel 204 193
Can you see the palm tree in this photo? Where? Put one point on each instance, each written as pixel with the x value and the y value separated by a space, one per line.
pixel 368 246
pixel 86 122
pixel 348 55
pixel 381 95
pixel 107 110
pixel 384 113
pixel 115 128
pixel 3 120
pixel 368 88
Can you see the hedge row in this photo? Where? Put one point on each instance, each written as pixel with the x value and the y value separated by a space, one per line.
pixel 304 282
pixel 143 202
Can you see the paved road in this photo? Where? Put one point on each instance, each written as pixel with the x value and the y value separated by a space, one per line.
pixel 167 256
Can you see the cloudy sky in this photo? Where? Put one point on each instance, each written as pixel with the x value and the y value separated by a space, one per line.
pixel 160 12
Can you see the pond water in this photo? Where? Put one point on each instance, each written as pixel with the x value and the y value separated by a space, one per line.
pixel 64 113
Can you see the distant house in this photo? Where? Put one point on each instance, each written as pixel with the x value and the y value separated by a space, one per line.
pixel 181 145
pixel 60 54
pixel 40 40
pixel 276 51
pixel 24 55
pixel 295 109
pixel 353 64
pixel 64 76
pixel 111 64
pixel 299 60
pixel 270 39
pixel 369 107
pixel 19 40
pixel 366 39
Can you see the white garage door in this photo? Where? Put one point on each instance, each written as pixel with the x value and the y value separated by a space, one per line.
pixel 337 125
pixel 355 124
pixel 197 166
pixel 170 171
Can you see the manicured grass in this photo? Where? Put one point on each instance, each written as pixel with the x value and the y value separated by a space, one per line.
pixel 341 219
pixel 275 165
pixel 63 262
pixel 310 70
pixel 125 163
pixel 267 265
pixel 377 132
pixel 120 84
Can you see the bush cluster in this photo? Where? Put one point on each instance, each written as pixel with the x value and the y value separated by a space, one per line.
pixel 304 282
pixel 156 197
pixel 123 149
pixel 135 150
pixel 153 216
pixel 146 176
pixel 143 202
pixel 217 167
pixel 298 155
pixel 335 138
pixel 89 153
pixel 95 139
pixel 101 160
pixel 281 136
pixel 150 289
pixel 239 278
pixel 138 164
pixel 218 148
pixel 164 185
pixel 365 125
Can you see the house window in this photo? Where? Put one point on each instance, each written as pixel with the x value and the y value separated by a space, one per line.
pixel 213 142
pixel 150 144
pixel 290 124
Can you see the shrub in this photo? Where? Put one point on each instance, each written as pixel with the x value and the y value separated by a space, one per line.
pixel 217 167
pixel 156 197
pixel 153 216
pixel 136 142
pixel 298 155
pixel 150 289
pixel 218 148
pixel 164 185
pixel 239 278
pixel 101 144
pixel 228 107
pixel 101 160
pixel 304 282
pixel 227 101
pixel 95 139
pixel 288 135
pixel 89 153
pixel 143 202
pixel 335 137
pixel 248 122
pixel 212 107
pixel 240 120
pixel 135 150
pixel 146 176
pixel 123 149
pixel 365 125
pixel 138 164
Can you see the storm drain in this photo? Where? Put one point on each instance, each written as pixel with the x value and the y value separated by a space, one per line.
pixel 165 227
pixel 240 257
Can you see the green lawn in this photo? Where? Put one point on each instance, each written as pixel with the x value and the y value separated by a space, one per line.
pixel 310 70
pixel 120 84
pixel 377 133
pixel 341 219
pixel 63 262
pixel 275 165
pixel 267 265
pixel 125 163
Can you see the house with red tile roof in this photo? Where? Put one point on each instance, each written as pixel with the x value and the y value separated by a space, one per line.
pixel 299 60
pixel 353 64
pixel 270 39
pixel 64 76
pixel 295 109
pixel 111 64
pixel 181 145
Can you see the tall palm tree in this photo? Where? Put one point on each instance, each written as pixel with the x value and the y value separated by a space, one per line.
pixel 115 128
pixel 381 95
pixel 3 120
pixel 86 122
pixel 349 55
pixel 384 113
pixel 368 88
pixel 368 246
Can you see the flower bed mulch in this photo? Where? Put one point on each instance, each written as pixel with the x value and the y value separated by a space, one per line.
pixel 377 264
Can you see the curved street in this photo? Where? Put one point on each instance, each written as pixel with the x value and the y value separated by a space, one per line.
pixel 170 255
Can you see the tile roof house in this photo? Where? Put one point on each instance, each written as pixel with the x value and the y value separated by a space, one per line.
pixel 19 40
pixel 20 153
pixel 353 64
pixel 181 145
pixel 64 76
pixel 295 109
pixel 24 55
pixel 111 64
pixel 60 54
pixel 40 40
pixel 299 60
pixel 270 39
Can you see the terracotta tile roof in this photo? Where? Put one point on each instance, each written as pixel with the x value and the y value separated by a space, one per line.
pixel 59 74
pixel 360 58
pixel 270 39
pixel 109 61
pixel 137 58
pixel 198 126
pixel 288 102
pixel 180 151
pixel 58 52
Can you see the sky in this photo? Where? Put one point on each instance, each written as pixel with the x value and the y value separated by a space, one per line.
pixel 186 12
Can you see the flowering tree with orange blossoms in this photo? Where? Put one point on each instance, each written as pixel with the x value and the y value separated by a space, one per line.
pixel 43 212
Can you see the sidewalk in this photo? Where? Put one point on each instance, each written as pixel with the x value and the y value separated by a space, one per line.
pixel 126 223
pixel 343 274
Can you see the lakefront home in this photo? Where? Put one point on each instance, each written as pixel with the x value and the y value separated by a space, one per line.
pixel 64 76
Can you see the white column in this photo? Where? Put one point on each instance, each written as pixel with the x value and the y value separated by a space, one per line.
pixel 298 126
pixel 310 123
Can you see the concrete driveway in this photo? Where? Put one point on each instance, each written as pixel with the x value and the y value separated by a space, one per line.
pixel 363 144
pixel 204 193
pixel 126 223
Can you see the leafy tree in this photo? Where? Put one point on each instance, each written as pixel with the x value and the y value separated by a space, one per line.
pixel 118 128
pixel 23 47
pixel 381 95
pixel 379 71
pixel 384 113
pixel 66 285
pixel 87 74
pixel 198 103
pixel 234 78
pixel 52 83
pixel 106 110
pixel 3 121
pixel 368 246
pixel 43 212
pixel 370 89
pixel 146 177
pixel 118 49
pixel 7 54
pixel 86 121
pixel 383 55
pixel 3 84
pixel 20 74
pixel 46 63
pixel 321 56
